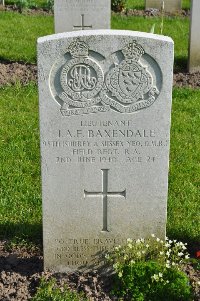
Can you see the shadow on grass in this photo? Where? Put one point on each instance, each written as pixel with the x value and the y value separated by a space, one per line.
pixel 4 60
pixel 193 245
pixel 31 233
pixel 180 64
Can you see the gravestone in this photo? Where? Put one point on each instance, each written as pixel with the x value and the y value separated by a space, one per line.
pixel 194 49
pixel 81 15
pixel 169 5
pixel 105 103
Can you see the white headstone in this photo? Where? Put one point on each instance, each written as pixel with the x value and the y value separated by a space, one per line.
pixel 194 49
pixel 81 15
pixel 105 105
pixel 169 5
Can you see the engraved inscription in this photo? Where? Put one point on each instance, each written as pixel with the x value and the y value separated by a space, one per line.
pixel 86 87
pixel 104 194
pixel 82 26
pixel 81 78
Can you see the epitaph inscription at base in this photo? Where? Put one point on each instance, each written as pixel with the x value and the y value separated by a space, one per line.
pixel 105 103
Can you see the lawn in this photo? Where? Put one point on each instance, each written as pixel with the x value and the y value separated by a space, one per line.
pixel 17 27
pixel 20 196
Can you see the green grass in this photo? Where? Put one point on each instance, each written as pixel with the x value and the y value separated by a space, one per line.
pixel 20 196
pixel 39 3
pixel 140 4
pixel 49 291
pixel 19 34
pixel 20 199
pixel 184 178
pixel 176 28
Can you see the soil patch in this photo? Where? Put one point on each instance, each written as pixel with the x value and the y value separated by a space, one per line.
pixel 153 12
pixel 21 271
pixel 10 73
pixel 28 11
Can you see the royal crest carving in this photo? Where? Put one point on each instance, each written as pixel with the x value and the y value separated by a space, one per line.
pixel 126 86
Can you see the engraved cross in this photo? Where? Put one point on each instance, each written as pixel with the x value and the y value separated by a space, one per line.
pixel 104 194
pixel 82 26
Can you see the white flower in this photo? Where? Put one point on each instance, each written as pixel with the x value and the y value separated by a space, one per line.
pixel 173 263
pixel 142 239
pixel 143 252
pixel 152 235
pixel 107 256
pixel 187 256
pixel 125 257
pixel 160 275
pixel 170 241
pixel 180 254
pixel 138 241
pixel 117 248
pixel 157 239
pixel 168 253
pixel 120 274
pixel 132 261
pixel 167 265
pixel 139 254
pixel 147 245
pixel 166 238
pixel 183 247
pixel 167 245
pixel 167 281
pixel 115 265
pixel 130 246
pixel 161 241
pixel 129 240
pixel 161 253
pixel 155 277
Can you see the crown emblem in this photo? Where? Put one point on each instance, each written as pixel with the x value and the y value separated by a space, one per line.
pixel 133 51
pixel 78 49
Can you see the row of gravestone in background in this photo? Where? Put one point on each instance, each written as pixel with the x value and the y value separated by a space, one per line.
pixel 79 15
pixel 94 14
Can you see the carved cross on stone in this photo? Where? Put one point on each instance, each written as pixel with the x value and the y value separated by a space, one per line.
pixel 104 194
pixel 82 26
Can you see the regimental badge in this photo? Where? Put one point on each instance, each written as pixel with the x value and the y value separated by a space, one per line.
pixel 90 85
pixel 81 79
pixel 129 86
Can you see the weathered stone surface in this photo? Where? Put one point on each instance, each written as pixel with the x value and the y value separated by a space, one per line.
pixel 169 5
pixel 81 14
pixel 194 49
pixel 105 103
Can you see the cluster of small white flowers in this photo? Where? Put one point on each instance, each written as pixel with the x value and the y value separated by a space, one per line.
pixel 159 278
pixel 169 253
